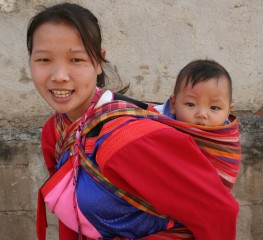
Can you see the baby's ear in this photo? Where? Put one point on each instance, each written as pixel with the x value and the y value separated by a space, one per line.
pixel 172 104
pixel 230 108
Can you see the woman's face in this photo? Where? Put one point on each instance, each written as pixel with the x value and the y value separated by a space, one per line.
pixel 62 71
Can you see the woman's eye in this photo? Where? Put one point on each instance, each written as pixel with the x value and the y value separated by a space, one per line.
pixel 215 108
pixel 42 60
pixel 76 60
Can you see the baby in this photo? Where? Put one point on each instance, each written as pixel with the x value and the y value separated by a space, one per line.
pixel 202 95
pixel 201 104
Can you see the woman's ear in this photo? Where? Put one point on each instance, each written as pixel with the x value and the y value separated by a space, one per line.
pixel 172 104
pixel 101 63
pixel 103 53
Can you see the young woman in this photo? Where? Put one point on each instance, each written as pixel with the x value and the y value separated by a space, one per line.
pixel 117 171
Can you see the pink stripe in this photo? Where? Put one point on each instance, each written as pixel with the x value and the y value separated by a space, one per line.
pixel 60 201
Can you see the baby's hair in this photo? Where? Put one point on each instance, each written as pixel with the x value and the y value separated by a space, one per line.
pixel 78 17
pixel 199 71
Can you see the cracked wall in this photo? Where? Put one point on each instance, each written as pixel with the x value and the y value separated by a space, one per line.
pixel 148 42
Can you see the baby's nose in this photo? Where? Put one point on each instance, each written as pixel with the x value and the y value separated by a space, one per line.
pixel 201 113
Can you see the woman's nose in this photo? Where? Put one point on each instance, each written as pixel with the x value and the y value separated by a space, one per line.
pixel 60 73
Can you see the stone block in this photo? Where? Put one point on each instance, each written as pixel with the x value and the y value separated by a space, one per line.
pixel 17 226
pixel 20 225
pixel 17 152
pixel 16 189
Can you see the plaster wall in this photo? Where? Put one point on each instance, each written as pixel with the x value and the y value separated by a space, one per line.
pixel 148 42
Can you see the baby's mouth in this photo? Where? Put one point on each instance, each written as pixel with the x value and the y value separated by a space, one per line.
pixel 202 124
pixel 61 93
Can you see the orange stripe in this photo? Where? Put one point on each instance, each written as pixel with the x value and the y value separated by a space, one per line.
pixel 222 153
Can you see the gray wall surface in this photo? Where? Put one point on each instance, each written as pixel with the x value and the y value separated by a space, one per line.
pixel 148 42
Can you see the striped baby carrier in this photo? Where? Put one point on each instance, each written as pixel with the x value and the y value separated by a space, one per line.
pixel 219 144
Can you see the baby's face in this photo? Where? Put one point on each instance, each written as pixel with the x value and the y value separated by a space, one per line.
pixel 207 103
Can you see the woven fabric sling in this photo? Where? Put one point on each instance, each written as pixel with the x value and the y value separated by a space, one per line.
pixel 219 144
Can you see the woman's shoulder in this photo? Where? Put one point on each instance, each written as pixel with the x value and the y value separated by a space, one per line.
pixel 50 124
pixel 49 132
pixel 134 134
pixel 48 139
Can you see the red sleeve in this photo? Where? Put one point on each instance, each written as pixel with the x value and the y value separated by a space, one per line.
pixel 65 233
pixel 49 139
pixel 166 168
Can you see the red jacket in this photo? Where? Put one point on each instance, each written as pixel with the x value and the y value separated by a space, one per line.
pixel 173 175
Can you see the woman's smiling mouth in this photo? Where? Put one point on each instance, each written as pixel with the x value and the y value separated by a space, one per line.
pixel 61 93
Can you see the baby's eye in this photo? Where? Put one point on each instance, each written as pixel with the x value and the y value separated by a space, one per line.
pixel 215 108
pixel 189 104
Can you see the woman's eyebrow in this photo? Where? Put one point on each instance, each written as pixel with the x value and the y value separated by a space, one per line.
pixel 77 50
pixel 40 51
